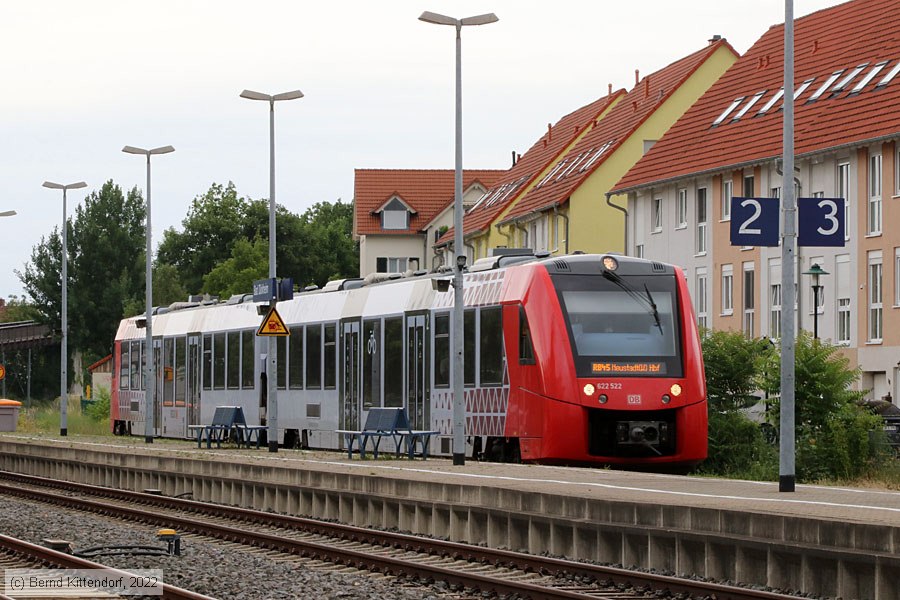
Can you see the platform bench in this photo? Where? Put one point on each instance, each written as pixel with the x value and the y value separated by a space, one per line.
pixel 387 422
pixel 226 420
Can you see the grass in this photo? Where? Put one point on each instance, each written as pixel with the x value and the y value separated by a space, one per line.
pixel 43 418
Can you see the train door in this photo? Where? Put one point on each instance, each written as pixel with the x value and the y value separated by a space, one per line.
pixel 192 399
pixel 159 382
pixel 350 396
pixel 417 399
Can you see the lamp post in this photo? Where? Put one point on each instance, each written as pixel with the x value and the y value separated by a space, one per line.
pixel 149 372
pixel 459 422
pixel 7 213
pixel 272 370
pixel 64 348
pixel 816 271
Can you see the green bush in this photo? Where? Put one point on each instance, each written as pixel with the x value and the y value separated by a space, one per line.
pixel 98 410
pixel 737 448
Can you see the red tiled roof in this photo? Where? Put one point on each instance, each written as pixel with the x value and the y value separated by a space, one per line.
pixel 605 138
pixel 838 38
pixel 428 191
pixel 530 165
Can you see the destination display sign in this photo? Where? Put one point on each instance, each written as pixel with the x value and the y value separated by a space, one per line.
pixel 628 368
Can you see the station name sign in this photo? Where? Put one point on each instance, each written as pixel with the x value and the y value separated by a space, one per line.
pixel 267 290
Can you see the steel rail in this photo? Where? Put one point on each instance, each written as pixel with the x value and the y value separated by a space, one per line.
pixel 504 558
pixel 67 561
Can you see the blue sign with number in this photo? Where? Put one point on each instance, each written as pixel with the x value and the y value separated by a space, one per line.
pixel 821 222
pixel 754 221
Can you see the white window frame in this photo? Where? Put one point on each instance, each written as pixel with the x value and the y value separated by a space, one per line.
pixel 681 209
pixel 775 311
pixel 702 299
pixel 896 277
pixel 844 321
pixel 749 299
pixel 727 299
pixel 842 190
pixel 727 193
pixel 875 298
pixel 874 215
pixel 702 226
pixel 656 215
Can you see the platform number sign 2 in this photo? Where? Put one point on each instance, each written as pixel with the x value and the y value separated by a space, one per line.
pixel 754 221
pixel 820 221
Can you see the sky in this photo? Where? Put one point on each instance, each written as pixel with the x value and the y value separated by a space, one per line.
pixel 81 80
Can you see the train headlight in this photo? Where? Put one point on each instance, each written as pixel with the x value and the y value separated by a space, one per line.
pixel 603 398
pixel 675 390
pixel 589 389
pixel 666 398
pixel 610 263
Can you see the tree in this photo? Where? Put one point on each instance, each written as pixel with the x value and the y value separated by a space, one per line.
pixel 108 241
pixel 332 254
pixel 41 279
pixel 831 427
pixel 215 221
pixel 248 262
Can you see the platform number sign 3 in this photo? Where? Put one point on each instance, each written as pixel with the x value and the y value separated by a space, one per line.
pixel 754 221
pixel 820 221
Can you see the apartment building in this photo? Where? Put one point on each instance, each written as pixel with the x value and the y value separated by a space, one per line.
pixel 847 127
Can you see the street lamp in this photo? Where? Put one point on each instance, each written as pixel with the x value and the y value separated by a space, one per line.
pixel 272 376
pixel 149 404
pixel 7 213
pixel 816 271
pixel 64 348
pixel 459 448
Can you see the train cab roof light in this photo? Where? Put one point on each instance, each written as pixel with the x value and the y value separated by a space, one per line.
pixel 610 263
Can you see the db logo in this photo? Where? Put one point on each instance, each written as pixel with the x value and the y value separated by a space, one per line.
pixel 634 398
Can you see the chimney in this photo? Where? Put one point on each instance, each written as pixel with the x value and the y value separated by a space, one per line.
pixel 647 87
pixel 550 131
pixel 513 158
pixel 609 92
pixel 714 39
pixel 637 77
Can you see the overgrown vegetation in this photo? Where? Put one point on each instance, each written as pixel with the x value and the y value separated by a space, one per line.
pixel 837 438
pixel 42 418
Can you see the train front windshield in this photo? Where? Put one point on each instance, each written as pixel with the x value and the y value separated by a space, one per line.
pixel 622 326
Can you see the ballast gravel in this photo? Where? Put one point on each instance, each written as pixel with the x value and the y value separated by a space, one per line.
pixel 226 572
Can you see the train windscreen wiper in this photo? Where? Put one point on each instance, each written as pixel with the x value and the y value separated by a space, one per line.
pixel 645 301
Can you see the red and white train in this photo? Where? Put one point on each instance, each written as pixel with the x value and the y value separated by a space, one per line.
pixel 579 359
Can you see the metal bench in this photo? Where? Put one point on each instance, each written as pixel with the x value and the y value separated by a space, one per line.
pixel 227 420
pixel 387 422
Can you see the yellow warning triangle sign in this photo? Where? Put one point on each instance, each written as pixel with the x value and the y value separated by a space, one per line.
pixel 273 325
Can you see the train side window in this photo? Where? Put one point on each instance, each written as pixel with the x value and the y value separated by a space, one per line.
pixel 248 365
pixel 295 364
pixel 180 370
pixel 168 371
pixel 330 357
pixel 218 361
pixel 143 364
pixel 234 362
pixel 124 366
pixel 393 362
pixel 313 357
pixel 207 362
pixel 526 349
pixel 135 365
pixel 371 363
pixel 442 350
pixel 491 350
pixel 469 339
pixel 282 356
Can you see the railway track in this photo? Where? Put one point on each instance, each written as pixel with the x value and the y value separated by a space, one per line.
pixel 461 566
pixel 19 554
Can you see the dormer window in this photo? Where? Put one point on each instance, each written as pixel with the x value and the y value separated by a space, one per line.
pixel 395 214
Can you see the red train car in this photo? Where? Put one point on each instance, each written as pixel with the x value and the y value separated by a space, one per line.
pixel 579 359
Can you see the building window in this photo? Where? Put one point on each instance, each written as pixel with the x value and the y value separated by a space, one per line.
pixel 681 210
pixel 875 298
pixel 748 186
pixel 727 290
pixel 702 299
pixel 384 264
pixel 727 185
pixel 395 215
pixel 843 328
pixel 843 191
pixel 775 311
pixel 657 214
pixel 749 300
pixel 874 220
pixel 897 277
pixel 701 221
